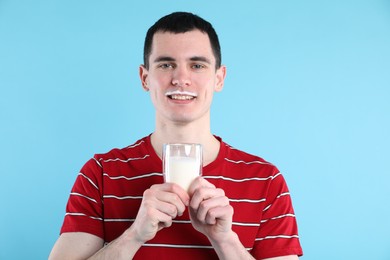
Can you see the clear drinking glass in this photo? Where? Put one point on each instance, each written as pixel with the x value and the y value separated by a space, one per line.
pixel 182 163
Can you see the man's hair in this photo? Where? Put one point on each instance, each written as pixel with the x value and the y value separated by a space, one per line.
pixel 181 22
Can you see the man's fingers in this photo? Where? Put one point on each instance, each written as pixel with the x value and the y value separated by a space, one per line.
pixel 208 206
pixel 204 194
pixel 160 204
pixel 174 189
pixel 221 213
pixel 199 182
pixel 169 198
pixel 159 219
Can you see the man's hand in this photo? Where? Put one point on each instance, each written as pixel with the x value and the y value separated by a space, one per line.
pixel 160 204
pixel 212 215
pixel 210 211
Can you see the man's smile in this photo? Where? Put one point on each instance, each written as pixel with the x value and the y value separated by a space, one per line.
pixel 180 95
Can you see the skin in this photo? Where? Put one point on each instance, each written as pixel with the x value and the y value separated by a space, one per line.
pixel 183 64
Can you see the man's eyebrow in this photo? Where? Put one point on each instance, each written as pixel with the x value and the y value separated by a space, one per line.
pixel 200 58
pixel 163 58
pixel 194 58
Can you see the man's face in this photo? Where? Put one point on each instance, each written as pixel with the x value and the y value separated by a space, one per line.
pixel 182 77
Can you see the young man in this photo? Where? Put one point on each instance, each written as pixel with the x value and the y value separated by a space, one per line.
pixel 120 207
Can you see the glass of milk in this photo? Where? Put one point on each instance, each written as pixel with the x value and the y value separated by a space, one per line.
pixel 182 163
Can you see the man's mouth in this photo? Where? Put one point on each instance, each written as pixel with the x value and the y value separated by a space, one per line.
pixel 180 95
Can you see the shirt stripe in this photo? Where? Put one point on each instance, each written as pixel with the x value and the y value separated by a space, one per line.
pixel 81 195
pixel 239 180
pixel 178 246
pixel 119 220
pixel 122 197
pixel 135 145
pixel 278 217
pixel 283 194
pixel 131 178
pixel 277 236
pixel 247 200
pixel 81 214
pixel 98 163
pixel 88 179
pixel 278 197
pixel 250 162
pixel 182 246
pixel 246 224
pixel 126 160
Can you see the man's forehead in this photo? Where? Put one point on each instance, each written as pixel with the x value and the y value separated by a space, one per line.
pixel 195 42
pixel 170 33
pixel 190 35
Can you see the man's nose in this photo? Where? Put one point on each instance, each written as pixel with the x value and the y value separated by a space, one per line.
pixel 181 77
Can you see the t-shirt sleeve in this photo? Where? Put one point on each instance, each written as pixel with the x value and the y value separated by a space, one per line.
pixel 84 210
pixel 278 231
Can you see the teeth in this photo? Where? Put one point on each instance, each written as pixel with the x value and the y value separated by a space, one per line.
pixel 181 97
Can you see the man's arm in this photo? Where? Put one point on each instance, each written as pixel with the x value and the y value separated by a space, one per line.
pixel 211 214
pixel 160 204
pixel 79 245
pixel 75 245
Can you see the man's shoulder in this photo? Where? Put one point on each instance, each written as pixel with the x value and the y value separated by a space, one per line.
pixel 243 164
pixel 233 153
pixel 136 148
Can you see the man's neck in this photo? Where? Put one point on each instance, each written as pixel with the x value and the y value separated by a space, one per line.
pixel 186 134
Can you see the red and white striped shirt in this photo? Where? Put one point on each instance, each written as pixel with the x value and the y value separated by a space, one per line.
pixel 108 192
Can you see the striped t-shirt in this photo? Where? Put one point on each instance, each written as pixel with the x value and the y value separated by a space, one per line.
pixel 108 191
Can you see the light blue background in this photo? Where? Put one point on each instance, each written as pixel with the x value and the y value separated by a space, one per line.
pixel 307 89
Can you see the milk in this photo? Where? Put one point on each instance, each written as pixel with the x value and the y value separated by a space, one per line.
pixel 182 170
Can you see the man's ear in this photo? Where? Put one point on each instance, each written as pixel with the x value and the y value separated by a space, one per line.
pixel 221 74
pixel 143 74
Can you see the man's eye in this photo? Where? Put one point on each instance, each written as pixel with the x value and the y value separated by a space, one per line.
pixel 165 66
pixel 198 66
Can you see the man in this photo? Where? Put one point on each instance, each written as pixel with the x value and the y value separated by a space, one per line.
pixel 120 208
